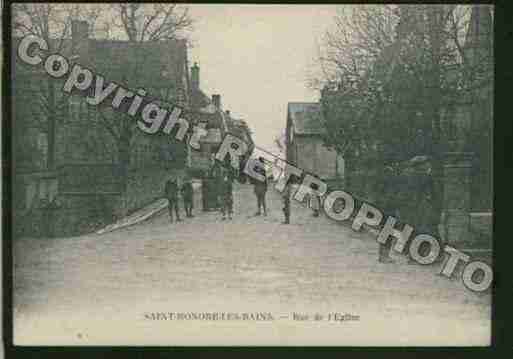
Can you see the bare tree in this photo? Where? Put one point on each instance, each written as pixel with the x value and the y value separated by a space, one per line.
pixel 400 71
pixel 51 22
pixel 138 25
pixel 353 61
pixel 151 22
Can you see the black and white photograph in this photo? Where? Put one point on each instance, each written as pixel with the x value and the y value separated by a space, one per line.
pixel 251 174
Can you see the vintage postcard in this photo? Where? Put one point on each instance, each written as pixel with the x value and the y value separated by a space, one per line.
pixel 251 175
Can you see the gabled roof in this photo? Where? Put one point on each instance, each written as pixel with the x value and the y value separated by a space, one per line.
pixel 239 128
pixel 306 118
pixel 163 61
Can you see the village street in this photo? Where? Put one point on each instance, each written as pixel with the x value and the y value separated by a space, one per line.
pixel 98 288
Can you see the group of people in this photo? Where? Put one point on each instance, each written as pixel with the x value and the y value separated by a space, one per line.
pixel 406 192
pixel 225 175
pixel 171 192
pixel 222 175
pixel 223 179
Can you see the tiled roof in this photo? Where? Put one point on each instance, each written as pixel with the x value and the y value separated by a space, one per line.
pixel 163 61
pixel 239 128
pixel 306 118
pixel 199 99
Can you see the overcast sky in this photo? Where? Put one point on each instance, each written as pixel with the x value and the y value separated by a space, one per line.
pixel 258 58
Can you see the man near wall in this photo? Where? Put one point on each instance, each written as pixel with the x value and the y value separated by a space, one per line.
pixel 387 199
pixel 171 193
pixel 188 197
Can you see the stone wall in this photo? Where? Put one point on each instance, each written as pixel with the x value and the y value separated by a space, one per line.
pixel 481 227
pixel 314 157
pixel 144 186
pixel 87 198
pixel 79 139
pixel 456 197
pixel 78 214
pixel 68 215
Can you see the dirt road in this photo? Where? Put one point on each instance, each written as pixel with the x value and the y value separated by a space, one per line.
pixel 103 289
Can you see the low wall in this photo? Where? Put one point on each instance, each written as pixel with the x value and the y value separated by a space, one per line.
pixel 78 213
pixel 88 198
pixel 481 226
pixel 70 214
pixel 144 187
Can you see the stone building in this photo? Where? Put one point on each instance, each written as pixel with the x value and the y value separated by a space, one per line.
pixel 68 170
pixel 208 113
pixel 305 147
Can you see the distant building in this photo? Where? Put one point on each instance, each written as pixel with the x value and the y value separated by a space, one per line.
pixel 209 114
pixel 212 118
pixel 304 142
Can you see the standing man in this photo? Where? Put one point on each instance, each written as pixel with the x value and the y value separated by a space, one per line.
pixel 260 187
pixel 420 213
pixel 226 194
pixel 171 193
pixel 286 204
pixel 314 199
pixel 188 197
pixel 388 186
pixel 428 219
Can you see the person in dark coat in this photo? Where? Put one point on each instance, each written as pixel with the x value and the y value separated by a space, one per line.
pixel 315 201
pixel 428 217
pixel 260 187
pixel 188 197
pixel 286 204
pixel 171 193
pixel 421 214
pixel 216 174
pixel 388 203
pixel 226 194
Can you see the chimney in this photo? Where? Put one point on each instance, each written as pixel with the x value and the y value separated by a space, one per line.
pixel 195 76
pixel 216 100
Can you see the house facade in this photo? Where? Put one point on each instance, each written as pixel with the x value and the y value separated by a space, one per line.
pixel 68 170
pixel 208 113
pixel 304 143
